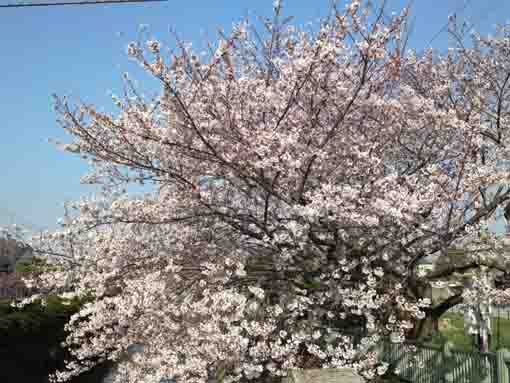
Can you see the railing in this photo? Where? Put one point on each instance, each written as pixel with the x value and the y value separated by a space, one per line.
pixel 497 311
pixel 435 364
pixel 16 292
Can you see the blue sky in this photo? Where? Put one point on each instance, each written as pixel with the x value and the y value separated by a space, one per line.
pixel 80 51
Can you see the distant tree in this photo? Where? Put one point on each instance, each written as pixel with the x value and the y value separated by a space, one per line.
pixel 12 250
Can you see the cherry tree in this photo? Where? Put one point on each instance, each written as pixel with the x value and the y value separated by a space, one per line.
pixel 298 179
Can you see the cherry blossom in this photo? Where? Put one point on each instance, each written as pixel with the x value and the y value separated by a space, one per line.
pixel 298 178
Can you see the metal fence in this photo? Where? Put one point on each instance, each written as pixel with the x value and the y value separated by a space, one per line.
pixel 497 311
pixel 16 292
pixel 434 364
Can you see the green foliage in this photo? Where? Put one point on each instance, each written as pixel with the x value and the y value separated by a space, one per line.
pixel 31 341
pixel 437 339
pixel 311 284
pixel 34 265
pixel 36 315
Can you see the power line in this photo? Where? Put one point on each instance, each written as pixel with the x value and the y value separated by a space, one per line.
pixel 76 3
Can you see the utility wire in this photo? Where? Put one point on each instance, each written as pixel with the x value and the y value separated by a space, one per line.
pixel 95 2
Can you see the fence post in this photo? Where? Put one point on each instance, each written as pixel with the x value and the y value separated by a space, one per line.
pixel 502 358
pixel 446 359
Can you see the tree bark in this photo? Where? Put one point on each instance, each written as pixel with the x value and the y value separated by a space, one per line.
pixel 429 325
pixel 425 328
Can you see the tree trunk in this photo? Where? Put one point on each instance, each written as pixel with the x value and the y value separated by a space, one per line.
pixel 425 328
pixel 429 325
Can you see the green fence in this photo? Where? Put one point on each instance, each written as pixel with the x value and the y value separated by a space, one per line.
pixel 434 364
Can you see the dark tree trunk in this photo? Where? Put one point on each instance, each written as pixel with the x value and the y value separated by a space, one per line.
pixel 425 328
pixel 429 325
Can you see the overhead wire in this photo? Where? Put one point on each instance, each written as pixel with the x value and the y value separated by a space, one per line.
pixel 84 2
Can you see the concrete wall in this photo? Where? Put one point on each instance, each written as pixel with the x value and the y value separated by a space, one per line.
pixel 327 375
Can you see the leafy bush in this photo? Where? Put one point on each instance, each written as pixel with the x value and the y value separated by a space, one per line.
pixel 31 342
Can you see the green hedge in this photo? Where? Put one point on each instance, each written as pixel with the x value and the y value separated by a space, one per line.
pixel 30 341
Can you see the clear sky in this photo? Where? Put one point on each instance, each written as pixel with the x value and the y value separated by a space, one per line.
pixel 80 51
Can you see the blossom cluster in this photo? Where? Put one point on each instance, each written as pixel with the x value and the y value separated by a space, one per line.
pixel 343 164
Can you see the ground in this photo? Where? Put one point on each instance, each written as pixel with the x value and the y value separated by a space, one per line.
pixel 451 328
